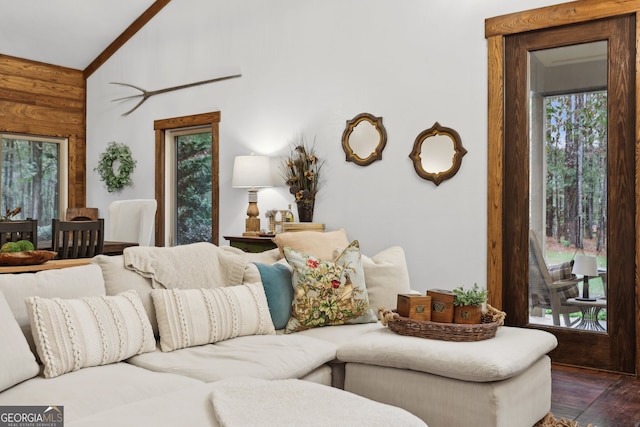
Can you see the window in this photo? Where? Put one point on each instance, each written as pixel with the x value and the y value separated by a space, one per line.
pixel 189 163
pixel 34 178
pixel 186 188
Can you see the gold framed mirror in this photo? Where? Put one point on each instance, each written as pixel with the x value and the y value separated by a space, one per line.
pixel 437 153
pixel 363 139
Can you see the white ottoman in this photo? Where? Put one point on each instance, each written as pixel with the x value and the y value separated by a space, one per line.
pixel 502 381
pixel 295 403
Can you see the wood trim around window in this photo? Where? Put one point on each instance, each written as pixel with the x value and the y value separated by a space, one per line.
pixel 495 170
pixel 557 15
pixel 161 127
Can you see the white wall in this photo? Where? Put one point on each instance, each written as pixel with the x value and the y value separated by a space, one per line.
pixel 308 67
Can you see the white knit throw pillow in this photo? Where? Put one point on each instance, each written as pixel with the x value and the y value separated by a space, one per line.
pixel 76 333
pixel 190 317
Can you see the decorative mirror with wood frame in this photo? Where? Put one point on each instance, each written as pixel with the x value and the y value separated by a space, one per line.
pixel 437 153
pixel 363 139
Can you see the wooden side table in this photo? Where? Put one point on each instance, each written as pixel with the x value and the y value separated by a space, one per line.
pixel 251 244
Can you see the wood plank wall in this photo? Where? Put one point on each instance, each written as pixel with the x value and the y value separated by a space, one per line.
pixel 47 100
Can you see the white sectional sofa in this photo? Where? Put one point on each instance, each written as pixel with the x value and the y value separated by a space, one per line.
pixel 120 374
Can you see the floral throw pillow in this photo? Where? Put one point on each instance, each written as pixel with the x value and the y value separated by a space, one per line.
pixel 328 293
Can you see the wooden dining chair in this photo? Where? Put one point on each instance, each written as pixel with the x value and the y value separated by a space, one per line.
pixel 12 231
pixel 81 214
pixel 77 239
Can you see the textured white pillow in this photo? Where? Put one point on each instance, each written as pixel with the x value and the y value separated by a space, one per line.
pixel 386 275
pixel 78 333
pixel 73 282
pixel 190 317
pixel 17 363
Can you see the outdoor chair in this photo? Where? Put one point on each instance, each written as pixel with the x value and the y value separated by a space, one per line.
pixel 77 239
pixel 551 286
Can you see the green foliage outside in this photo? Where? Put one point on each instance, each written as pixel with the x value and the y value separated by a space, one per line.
pixel 193 188
pixel 576 187
pixel 30 179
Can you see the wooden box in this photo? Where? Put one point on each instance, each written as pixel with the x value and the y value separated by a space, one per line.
pixel 416 307
pixel 441 305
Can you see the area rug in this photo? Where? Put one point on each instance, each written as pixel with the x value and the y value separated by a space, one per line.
pixel 551 421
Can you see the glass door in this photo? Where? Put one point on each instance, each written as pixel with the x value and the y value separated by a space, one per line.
pixel 569 220
pixel 568 186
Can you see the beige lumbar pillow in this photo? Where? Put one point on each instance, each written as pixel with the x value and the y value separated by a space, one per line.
pixel 78 333
pixel 190 317
pixel 315 243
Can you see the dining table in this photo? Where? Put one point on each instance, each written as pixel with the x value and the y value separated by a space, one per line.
pixel 110 248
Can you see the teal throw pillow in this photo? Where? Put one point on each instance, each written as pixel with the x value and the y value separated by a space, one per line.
pixel 276 280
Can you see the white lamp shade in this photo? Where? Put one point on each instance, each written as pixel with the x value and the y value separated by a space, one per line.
pixel 252 172
pixel 585 265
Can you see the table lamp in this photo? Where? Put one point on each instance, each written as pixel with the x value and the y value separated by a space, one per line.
pixel 252 172
pixel 585 265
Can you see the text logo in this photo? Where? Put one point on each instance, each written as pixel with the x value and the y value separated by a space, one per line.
pixel 31 416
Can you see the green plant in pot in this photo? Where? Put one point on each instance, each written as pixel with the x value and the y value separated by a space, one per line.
pixel 468 304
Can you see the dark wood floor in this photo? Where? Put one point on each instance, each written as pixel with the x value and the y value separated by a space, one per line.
pixel 602 399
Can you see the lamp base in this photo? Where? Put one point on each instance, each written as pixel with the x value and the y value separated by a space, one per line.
pixel 252 227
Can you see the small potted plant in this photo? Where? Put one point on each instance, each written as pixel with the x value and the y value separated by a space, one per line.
pixel 468 304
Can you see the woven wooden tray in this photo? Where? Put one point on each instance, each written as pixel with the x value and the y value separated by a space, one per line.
pixel 444 331
pixel 26 257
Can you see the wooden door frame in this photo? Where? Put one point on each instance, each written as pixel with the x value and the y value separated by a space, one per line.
pixel 161 127
pixel 495 31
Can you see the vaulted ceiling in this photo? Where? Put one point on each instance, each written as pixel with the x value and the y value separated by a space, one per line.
pixel 69 33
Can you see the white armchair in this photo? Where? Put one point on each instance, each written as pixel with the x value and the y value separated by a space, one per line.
pixel 132 220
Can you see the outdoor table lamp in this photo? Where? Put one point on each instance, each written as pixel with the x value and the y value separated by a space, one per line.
pixel 252 172
pixel 585 265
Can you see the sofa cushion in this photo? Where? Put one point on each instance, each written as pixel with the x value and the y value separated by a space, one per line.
pixel 276 280
pixel 189 317
pixel 341 334
pixel 258 356
pixel 72 282
pixel 17 362
pixel 118 279
pixel 317 243
pixel 287 402
pixel 510 352
pixel 328 293
pixel 92 391
pixel 188 406
pixel 77 333
pixel 386 275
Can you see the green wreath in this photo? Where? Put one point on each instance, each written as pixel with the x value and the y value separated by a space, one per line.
pixel 121 153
